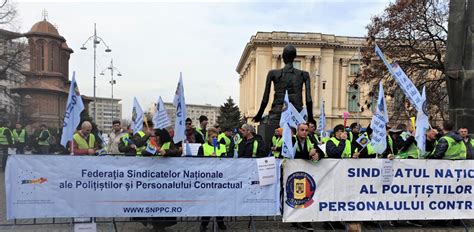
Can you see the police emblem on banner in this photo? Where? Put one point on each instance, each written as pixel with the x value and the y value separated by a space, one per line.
pixel 300 188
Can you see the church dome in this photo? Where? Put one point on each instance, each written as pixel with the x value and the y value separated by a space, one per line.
pixel 44 27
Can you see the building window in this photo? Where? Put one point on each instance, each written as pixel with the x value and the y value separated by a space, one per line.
pixel 297 64
pixel 353 99
pixel 53 49
pixel 41 53
pixel 355 68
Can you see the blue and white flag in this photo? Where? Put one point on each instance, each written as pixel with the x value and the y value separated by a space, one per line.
pixel 287 149
pixel 290 114
pixel 378 124
pixel 290 117
pixel 179 103
pixel 422 125
pixel 137 116
pixel 322 119
pixel 160 118
pixel 72 116
pixel 407 86
pixel 304 113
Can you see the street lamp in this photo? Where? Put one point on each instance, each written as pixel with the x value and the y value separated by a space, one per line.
pixel 112 81
pixel 96 40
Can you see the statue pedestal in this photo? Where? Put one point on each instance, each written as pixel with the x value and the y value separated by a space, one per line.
pixel 267 131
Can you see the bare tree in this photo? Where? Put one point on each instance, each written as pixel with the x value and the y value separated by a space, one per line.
pixel 412 33
pixel 7 12
pixel 14 52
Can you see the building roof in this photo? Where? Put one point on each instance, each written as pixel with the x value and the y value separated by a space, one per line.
pixel 45 28
pixel 299 39
pixel 9 34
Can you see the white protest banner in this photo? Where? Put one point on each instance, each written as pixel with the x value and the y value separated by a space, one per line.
pixel 267 173
pixel 407 86
pixel 45 186
pixel 379 124
pixel 160 117
pixel 353 190
pixel 137 116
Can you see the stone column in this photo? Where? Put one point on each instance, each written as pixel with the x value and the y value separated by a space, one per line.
pixel 307 67
pixel 317 82
pixel 343 93
pixel 275 61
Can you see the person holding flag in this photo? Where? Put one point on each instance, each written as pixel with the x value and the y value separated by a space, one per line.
pixel 305 149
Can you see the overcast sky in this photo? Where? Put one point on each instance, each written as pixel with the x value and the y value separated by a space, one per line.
pixel 152 42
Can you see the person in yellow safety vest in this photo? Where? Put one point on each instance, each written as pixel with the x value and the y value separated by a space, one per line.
pixel 339 147
pixel 313 137
pixel 468 141
pixel 160 144
pixel 451 146
pixel 304 147
pixel 212 148
pixel 83 141
pixel 406 144
pixel 277 143
pixel 251 145
pixel 6 140
pixel 43 139
pixel 140 139
pixel 126 145
pixel 203 121
pixel 226 139
pixel 19 138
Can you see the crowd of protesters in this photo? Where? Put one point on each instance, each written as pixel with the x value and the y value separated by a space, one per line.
pixel 243 142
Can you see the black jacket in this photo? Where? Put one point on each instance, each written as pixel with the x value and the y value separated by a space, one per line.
pixel 303 152
pixel 246 147
pixel 335 152
pixel 403 145
pixel 443 145
pixel 469 148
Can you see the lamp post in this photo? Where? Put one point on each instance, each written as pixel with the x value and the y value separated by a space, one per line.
pixel 95 40
pixel 112 81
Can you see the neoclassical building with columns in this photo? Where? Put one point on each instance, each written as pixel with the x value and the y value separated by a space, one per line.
pixel 332 62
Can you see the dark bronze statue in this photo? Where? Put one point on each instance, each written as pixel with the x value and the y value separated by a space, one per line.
pixel 287 78
pixel 459 64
